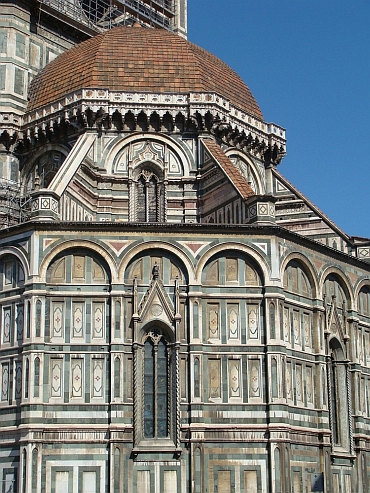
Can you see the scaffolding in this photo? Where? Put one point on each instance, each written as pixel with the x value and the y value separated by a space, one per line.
pixel 15 203
pixel 101 15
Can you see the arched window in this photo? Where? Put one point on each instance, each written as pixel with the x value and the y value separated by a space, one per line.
pixel 155 387
pixel 117 378
pixel 27 379
pixel 35 454
pixel 278 472
pixel 338 392
pixel 117 469
pixel 196 378
pixel 36 382
pixel 334 401
pixel 149 198
pixel 157 399
pixel 24 470
pixel 272 321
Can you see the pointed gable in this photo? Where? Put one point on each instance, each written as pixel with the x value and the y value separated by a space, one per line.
pixel 156 304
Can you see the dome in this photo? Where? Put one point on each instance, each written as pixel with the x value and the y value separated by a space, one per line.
pixel 137 59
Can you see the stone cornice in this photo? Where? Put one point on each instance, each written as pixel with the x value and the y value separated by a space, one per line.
pixel 193 228
pixel 104 103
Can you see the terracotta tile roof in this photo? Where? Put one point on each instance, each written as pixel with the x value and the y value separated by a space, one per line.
pixel 140 60
pixel 229 169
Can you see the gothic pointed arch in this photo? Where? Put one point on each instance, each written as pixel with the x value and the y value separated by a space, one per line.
pixel 336 303
pixel 148 198
pixel 156 365
pixel 339 404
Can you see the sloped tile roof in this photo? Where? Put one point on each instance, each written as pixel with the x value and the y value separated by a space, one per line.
pixel 229 169
pixel 129 59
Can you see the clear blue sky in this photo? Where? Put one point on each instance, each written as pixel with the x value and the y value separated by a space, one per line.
pixel 308 65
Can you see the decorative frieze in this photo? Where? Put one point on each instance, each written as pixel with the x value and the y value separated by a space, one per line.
pixel 81 106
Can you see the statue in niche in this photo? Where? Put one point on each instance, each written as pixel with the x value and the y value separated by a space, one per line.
pixel 155 271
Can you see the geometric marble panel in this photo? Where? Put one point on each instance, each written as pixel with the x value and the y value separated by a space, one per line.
pixel 56 365
pixel 288 381
pixel 76 377
pixel 98 320
pixel 57 318
pixel 214 372
pixel 143 482
pixel 8 270
pixel 286 324
pixel 18 380
pixel 88 482
pixel 169 481
pixel 97 377
pixel 62 481
pixel 298 383
pixel 224 481
pixel 78 268
pixel 253 323
pixel 78 313
pixel 250 482
pixel 234 378
pixel 254 377
pixel 7 322
pixel 20 322
pixel 5 381
pixel 297 338
pixel 233 321
pixel 309 385
pixel 213 311
pixel 307 330
pixel 231 269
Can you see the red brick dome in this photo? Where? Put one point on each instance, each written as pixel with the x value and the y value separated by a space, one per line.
pixel 130 59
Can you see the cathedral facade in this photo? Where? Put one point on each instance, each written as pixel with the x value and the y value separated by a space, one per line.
pixel 175 315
